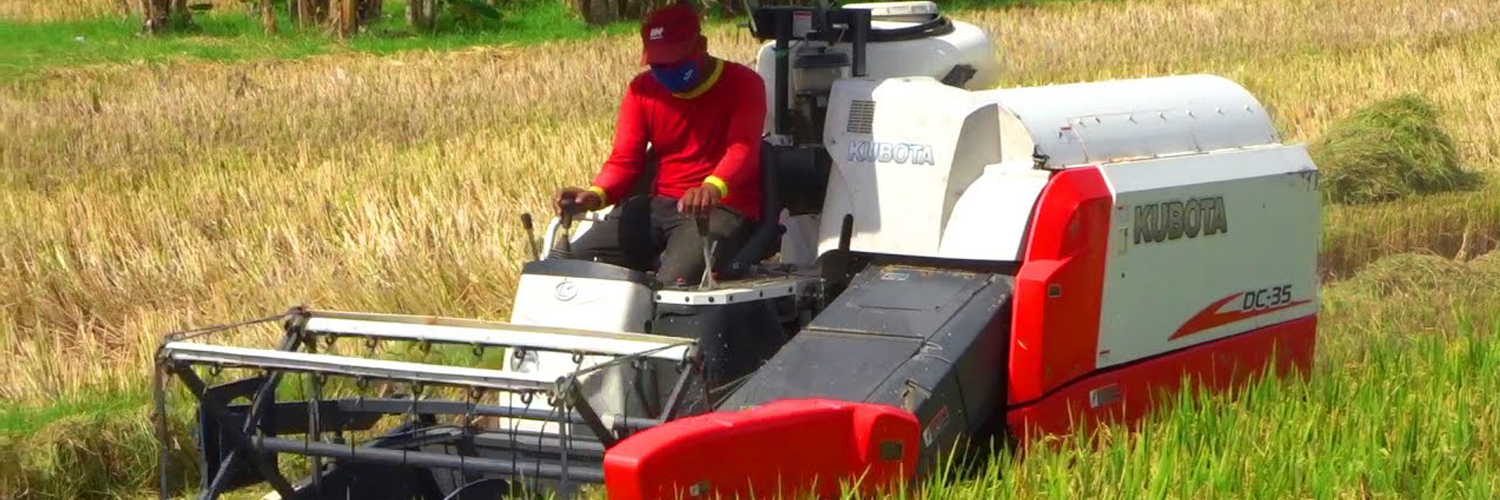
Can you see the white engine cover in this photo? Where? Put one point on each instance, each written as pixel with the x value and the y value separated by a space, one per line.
pixel 935 171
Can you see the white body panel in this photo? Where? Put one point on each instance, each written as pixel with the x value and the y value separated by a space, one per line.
pixel 582 303
pixel 927 143
pixel 1092 123
pixel 738 292
pixel 799 244
pixel 974 199
pixel 1158 141
pixel 1270 200
pixel 989 221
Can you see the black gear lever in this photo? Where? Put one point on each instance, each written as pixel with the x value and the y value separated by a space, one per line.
pixel 570 207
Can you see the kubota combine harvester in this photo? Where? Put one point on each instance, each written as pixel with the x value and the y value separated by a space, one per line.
pixel 939 264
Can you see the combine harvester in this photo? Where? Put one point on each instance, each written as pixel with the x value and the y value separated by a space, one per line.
pixel 951 264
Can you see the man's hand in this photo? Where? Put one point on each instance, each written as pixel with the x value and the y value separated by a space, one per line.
pixel 573 201
pixel 698 202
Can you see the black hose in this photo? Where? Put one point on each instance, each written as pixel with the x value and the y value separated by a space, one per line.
pixel 938 26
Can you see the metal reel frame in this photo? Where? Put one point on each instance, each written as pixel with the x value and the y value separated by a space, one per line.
pixel 239 443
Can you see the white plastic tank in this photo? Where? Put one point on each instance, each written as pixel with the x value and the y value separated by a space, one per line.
pixel 933 54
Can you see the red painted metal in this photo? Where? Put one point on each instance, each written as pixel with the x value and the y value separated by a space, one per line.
pixel 785 449
pixel 1059 288
pixel 1127 393
pixel 1212 316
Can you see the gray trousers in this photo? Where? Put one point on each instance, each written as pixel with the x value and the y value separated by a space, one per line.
pixel 640 229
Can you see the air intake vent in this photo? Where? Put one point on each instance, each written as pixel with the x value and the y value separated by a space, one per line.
pixel 861 116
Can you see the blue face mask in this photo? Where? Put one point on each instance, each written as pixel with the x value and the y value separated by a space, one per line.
pixel 677 78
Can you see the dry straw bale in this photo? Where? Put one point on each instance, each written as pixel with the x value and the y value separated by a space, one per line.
pixel 1407 273
pixel 1393 149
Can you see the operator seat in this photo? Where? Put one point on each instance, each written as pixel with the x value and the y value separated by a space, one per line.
pixel 791 179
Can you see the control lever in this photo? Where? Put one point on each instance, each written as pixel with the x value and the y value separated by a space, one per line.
pixel 530 234
pixel 707 283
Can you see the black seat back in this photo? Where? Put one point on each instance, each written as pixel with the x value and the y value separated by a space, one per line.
pixel 765 237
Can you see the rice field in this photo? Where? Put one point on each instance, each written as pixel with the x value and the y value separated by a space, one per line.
pixel 63 10
pixel 140 198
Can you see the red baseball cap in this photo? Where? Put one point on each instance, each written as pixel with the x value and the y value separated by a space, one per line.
pixel 670 34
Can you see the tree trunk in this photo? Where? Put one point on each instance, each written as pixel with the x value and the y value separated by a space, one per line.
pixel 267 17
pixel 161 16
pixel 370 11
pixel 319 10
pixel 587 9
pixel 346 18
pixel 421 15
pixel 154 15
pixel 296 10
pixel 599 12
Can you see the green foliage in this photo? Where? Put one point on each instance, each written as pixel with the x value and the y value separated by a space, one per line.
pixel 1393 149
pixel 229 35
pixel 102 447
pixel 473 9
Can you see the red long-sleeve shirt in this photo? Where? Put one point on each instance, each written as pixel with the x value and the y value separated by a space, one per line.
pixel 710 135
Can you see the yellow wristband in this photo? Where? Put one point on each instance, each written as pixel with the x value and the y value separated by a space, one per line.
pixel 603 198
pixel 719 184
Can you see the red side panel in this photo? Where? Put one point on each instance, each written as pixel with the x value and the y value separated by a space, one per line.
pixel 1060 286
pixel 1128 393
pixel 789 448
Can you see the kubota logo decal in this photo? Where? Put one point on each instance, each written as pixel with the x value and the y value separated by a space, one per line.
pixel 565 291
pixel 1245 305
pixel 1171 220
pixel 891 152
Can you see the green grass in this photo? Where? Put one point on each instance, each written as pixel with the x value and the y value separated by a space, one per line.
pixel 24 419
pixel 232 36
